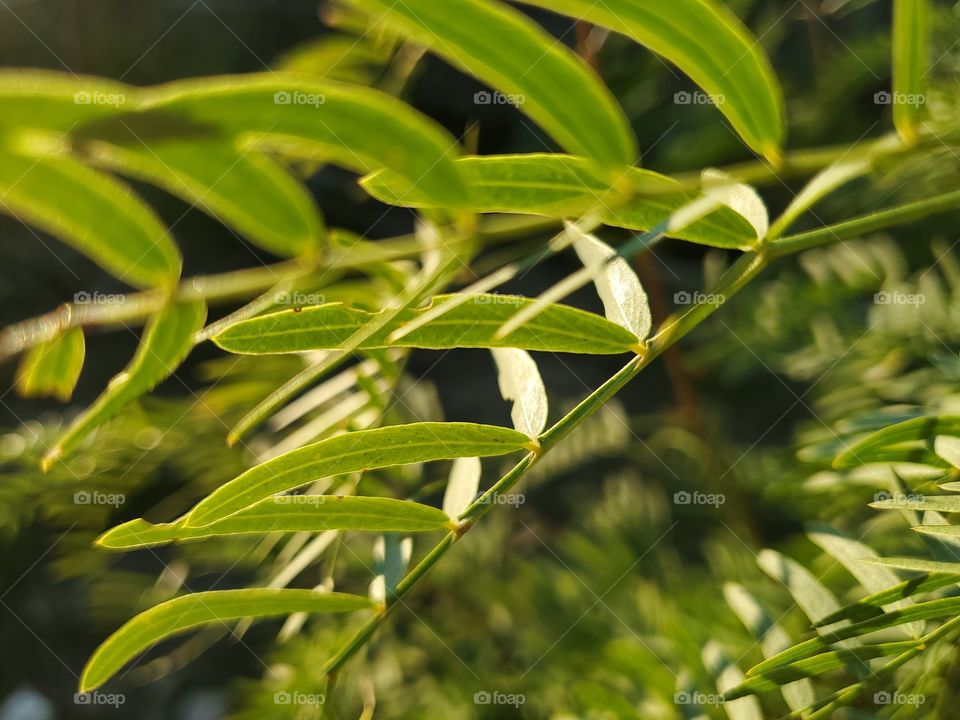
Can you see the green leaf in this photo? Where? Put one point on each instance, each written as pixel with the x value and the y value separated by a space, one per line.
pixel 786 675
pixel 624 300
pixel 559 328
pixel 90 211
pixel 288 513
pixel 511 53
pixel 167 340
pixel 204 608
pixel 361 450
pixel 878 446
pixel 248 191
pixel 808 592
pixel 851 554
pixel 52 367
pixel 567 186
pixel 520 381
pixel 917 613
pixel 872 605
pixel 739 197
pixel 707 42
pixel 910 31
pixel 772 639
pixel 391 555
pixel 939 503
pixel 46 100
pixel 362 129
pixel 917 564
pixel 727 675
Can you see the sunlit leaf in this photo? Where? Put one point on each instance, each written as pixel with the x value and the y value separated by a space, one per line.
pixel 167 340
pixel 520 382
pixel 473 324
pixel 707 42
pixel 91 212
pixel 511 53
pixel 364 449
pixel 872 605
pixel 288 513
pixel 462 486
pixel 199 609
pixel 569 187
pixel 624 300
pixel 391 554
pixel 53 367
pixel 739 197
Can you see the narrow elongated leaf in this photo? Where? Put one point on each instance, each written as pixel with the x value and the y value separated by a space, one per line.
pixel 473 324
pixel 941 530
pixel 362 129
pixel 624 301
pixel 247 190
pixel 938 503
pixel 727 675
pixel 851 554
pixel 872 605
pixel 288 513
pixel 59 101
pixel 462 486
pixel 381 447
pixel 708 43
pixel 917 564
pixel 819 186
pixel 199 609
pixel 811 596
pixel 916 613
pixel 739 197
pixel 876 446
pixel 772 639
pixel 784 676
pixel 948 448
pixel 91 212
pixel 520 381
pixel 567 186
pixel 167 340
pixel 910 31
pixel 510 52
pixel 53 367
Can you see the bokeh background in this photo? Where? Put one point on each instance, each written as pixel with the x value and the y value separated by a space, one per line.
pixel 592 596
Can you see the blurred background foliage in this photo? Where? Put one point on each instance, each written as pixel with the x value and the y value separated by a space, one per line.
pixel 597 596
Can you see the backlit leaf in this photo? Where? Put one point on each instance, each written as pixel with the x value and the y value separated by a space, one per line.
pixel 53 367
pixel 910 31
pixel 520 381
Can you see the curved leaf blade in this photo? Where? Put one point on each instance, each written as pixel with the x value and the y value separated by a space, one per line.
pixel 91 212
pixel 559 328
pixel 708 43
pixel 875 446
pixel 351 452
pixel 247 190
pixel 567 186
pixel 204 608
pixel 167 340
pixel 910 31
pixel 363 129
pixel 288 513
pixel 520 382
pixel 510 52
pixel 53 367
